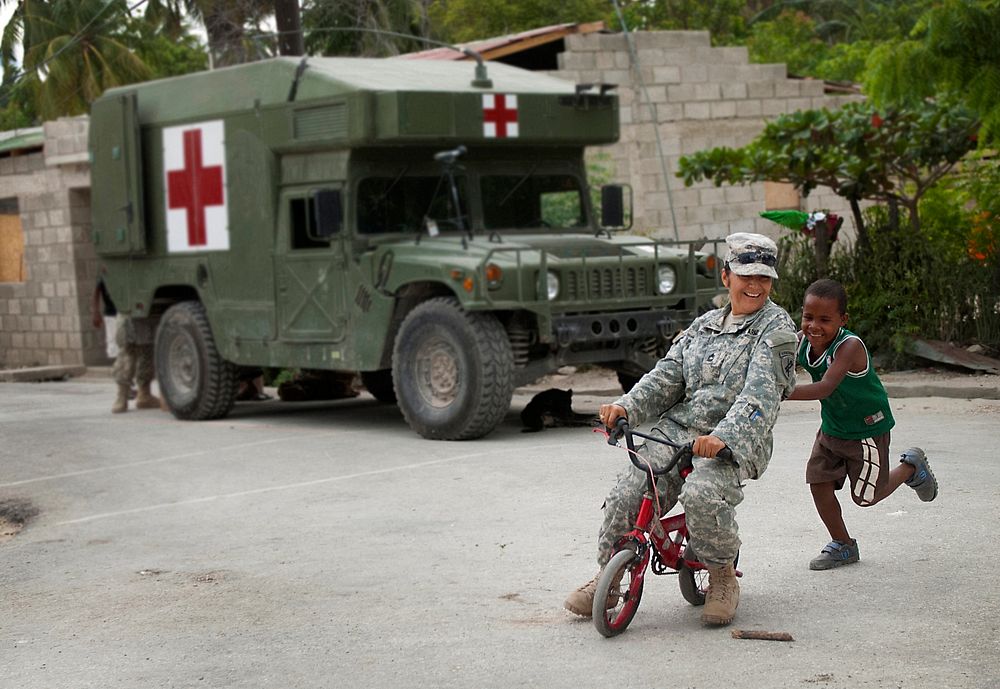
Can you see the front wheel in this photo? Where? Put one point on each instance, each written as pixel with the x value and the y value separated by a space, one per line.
pixel 452 371
pixel 619 590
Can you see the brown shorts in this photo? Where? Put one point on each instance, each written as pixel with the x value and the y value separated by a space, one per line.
pixel 865 461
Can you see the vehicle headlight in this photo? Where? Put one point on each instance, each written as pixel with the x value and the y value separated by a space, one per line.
pixel 552 285
pixel 667 278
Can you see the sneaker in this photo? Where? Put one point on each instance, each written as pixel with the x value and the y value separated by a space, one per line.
pixel 923 480
pixel 836 554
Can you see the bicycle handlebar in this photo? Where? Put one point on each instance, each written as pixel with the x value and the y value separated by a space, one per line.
pixel 683 450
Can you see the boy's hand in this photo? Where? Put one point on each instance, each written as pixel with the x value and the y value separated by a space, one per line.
pixel 707 446
pixel 610 413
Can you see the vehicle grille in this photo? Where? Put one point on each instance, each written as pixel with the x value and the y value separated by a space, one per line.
pixel 604 283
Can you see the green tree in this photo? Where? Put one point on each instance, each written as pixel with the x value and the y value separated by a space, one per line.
pixel 724 19
pixel 73 51
pixel 953 49
pixel 861 152
pixel 375 28
pixel 791 38
pixel 839 21
pixel 467 20
pixel 166 56
pixel 232 26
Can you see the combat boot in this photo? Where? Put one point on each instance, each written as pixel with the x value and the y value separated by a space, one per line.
pixel 723 596
pixel 146 399
pixel 581 601
pixel 121 402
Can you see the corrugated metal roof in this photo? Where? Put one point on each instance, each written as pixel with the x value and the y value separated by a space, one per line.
pixel 32 138
pixel 492 48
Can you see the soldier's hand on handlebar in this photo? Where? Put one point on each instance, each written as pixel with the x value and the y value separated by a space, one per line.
pixel 707 446
pixel 610 413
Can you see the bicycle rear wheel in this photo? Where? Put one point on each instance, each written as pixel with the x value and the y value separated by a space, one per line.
pixel 619 590
pixel 694 582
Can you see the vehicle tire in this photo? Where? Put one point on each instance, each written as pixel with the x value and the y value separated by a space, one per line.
pixel 452 371
pixel 627 381
pixel 694 582
pixel 195 380
pixel 621 568
pixel 379 384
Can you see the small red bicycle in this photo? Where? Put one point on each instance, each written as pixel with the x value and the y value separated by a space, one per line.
pixel 662 544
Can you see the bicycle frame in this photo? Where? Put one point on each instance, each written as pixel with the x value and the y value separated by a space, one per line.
pixel 668 533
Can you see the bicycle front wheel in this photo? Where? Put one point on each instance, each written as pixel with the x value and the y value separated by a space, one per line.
pixel 619 590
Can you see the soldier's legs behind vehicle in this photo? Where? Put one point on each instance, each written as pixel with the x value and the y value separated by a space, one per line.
pixel 125 363
pixel 144 364
pixel 710 495
pixel 621 507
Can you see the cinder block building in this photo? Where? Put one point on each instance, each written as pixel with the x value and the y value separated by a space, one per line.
pixel 680 95
pixel 47 260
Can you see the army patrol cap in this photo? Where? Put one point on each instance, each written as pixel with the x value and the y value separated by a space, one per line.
pixel 752 254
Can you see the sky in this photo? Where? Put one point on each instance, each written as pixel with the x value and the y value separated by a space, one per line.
pixel 5 13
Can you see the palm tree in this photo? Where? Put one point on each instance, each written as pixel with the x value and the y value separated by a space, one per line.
pixel 74 50
pixel 229 25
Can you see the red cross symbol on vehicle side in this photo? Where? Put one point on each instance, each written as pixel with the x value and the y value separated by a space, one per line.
pixel 194 187
pixel 499 115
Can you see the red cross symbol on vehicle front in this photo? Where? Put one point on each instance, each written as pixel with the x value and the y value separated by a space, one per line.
pixel 499 116
pixel 194 187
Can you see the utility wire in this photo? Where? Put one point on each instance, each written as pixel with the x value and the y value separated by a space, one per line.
pixel 634 59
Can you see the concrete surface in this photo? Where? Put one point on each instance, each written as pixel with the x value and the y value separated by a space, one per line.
pixel 326 545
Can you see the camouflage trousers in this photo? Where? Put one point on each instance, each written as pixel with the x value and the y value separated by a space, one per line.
pixel 134 361
pixel 709 496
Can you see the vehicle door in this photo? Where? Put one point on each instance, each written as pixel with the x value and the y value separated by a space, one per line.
pixel 310 272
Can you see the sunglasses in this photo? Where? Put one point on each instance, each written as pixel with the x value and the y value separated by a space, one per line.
pixel 769 260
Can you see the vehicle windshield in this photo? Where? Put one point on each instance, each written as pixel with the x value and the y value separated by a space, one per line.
pixel 532 201
pixel 401 203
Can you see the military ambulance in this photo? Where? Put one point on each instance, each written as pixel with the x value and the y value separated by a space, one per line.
pixel 426 224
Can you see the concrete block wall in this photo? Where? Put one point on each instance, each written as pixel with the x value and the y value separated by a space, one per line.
pixel 694 96
pixel 46 320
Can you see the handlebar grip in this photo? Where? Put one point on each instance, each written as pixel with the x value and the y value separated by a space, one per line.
pixel 726 454
pixel 614 434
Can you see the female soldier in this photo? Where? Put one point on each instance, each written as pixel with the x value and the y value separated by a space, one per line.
pixel 720 385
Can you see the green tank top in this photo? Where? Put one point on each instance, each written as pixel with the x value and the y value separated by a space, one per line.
pixel 859 407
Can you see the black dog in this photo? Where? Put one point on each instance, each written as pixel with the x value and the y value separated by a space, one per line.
pixel 553 408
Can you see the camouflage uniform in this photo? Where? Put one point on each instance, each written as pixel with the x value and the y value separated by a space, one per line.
pixel 719 379
pixel 135 355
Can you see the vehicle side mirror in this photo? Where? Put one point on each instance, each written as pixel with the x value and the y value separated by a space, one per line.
pixel 613 210
pixel 328 211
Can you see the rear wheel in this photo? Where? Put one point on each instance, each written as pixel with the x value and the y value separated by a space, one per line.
pixel 619 590
pixel 195 380
pixel 694 582
pixel 452 371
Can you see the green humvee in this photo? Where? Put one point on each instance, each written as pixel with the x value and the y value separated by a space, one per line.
pixel 423 224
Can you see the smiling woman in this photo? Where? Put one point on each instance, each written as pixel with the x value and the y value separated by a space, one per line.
pixel 721 384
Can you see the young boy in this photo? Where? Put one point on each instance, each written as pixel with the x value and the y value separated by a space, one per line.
pixel 853 439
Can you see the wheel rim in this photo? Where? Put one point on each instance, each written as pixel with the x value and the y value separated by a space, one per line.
pixel 183 367
pixel 629 591
pixel 438 378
